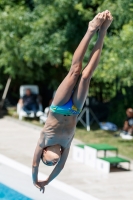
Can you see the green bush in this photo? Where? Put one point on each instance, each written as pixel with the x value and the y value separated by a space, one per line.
pixel 118 106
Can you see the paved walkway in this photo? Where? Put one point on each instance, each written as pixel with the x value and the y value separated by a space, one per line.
pixel 18 141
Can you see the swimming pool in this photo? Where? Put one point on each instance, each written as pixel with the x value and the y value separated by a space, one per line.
pixel 7 193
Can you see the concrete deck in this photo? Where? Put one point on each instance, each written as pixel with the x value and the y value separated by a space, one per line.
pixel 18 141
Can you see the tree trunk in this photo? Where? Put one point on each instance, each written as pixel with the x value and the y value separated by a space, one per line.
pixel 5 92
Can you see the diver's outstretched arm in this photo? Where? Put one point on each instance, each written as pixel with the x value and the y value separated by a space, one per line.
pixel 36 162
pixel 58 168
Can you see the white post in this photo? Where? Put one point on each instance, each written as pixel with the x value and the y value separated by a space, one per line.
pixel 5 92
pixel 87 115
pixel 6 88
pixel 85 111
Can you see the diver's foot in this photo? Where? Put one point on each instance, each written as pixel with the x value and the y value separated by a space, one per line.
pixel 98 20
pixel 108 20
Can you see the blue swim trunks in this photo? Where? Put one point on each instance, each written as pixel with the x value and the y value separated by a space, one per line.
pixel 66 109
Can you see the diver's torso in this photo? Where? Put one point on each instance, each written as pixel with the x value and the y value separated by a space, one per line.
pixel 58 129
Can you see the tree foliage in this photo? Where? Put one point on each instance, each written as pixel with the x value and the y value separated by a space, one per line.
pixel 38 39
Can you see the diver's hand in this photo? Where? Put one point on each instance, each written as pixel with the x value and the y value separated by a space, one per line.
pixel 41 185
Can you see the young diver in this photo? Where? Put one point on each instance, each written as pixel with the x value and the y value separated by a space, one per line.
pixel 54 143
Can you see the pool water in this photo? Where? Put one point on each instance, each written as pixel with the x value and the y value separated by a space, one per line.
pixel 7 193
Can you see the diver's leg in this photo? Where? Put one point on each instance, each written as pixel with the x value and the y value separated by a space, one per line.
pixel 81 91
pixel 65 89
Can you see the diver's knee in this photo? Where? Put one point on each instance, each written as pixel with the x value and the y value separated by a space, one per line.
pixel 85 77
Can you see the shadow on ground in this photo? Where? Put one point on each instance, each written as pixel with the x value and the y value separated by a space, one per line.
pixel 118 169
pixel 3 112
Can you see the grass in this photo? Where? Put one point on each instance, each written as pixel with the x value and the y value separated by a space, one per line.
pixel 96 135
pixel 100 136
pixel 12 112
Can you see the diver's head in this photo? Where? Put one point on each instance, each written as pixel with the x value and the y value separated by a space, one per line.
pixel 51 155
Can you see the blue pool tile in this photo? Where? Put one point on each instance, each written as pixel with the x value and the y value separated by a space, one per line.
pixel 7 193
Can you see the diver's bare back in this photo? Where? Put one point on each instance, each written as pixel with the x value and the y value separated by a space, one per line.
pixel 58 129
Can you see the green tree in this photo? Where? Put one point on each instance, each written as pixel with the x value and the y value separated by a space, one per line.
pixel 38 44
